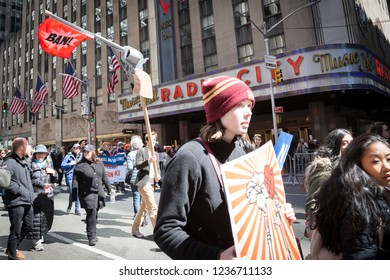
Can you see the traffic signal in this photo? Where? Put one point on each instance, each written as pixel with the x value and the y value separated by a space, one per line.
pixel 92 116
pixel 278 76
pixel 5 107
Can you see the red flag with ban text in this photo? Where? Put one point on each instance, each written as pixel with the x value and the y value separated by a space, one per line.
pixel 59 39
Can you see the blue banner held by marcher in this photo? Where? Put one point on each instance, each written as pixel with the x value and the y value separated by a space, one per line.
pixel 281 147
pixel 115 168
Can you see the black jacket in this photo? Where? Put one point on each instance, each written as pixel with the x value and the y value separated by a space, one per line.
pixel 368 244
pixel 88 178
pixel 20 190
pixel 193 219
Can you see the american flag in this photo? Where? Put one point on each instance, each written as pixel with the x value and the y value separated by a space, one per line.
pixel 115 65
pixel 39 96
pixel 71 83
pixel 18 104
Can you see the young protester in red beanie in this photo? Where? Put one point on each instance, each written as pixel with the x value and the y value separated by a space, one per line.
pixel 193 220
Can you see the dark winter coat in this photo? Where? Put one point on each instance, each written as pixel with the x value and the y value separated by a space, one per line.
pixel 43 202
pixel 88 178
pixel 20 191
pixel 193 219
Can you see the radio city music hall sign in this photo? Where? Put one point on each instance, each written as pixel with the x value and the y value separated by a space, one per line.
pixel 313 62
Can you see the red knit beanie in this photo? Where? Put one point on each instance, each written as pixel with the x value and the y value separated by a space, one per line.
pixel 221 94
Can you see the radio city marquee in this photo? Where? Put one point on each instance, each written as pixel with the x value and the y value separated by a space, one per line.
pixel 311 65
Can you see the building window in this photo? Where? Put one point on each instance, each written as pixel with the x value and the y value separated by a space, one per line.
pixel 84 75
pixel 272 15
pixel 97 20
pixel 208 34
pixel 98 82
pixel 271 8
pixel 109 7
pixel 277 44
pixel 144 32
pixel 245 53
pixel 123 3
pixel 110 15
pixel 84 21
pixel 110 33
pixel 123 26
pixel 185 38
pixel 122 10
pixel 65 11
pixel 245 50
pixel 65 105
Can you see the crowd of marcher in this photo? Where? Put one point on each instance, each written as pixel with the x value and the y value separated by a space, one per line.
pixel 347 185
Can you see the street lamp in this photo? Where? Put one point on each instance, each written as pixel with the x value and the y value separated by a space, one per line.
pixel 265 32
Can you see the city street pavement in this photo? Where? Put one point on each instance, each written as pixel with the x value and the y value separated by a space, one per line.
pixel 67 240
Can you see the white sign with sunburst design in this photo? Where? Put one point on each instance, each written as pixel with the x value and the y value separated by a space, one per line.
pixel 256 200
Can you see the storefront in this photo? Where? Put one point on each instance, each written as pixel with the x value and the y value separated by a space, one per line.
pixel 324 87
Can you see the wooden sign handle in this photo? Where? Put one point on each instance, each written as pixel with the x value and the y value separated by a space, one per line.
pixel 149 132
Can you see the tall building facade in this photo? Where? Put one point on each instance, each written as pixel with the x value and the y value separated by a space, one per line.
pixel 333 55
pixel 10 18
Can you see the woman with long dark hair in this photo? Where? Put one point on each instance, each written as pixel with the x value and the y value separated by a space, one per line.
pixel 353 217
pixel 320 168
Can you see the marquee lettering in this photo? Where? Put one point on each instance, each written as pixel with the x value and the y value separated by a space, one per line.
pixel 126 104
pixel 164 94
pixel 178 93
pixel 328 62
pixel 164 6
pixel 191 89
pixel 382 71
pixel 241 73
pixel 295 64
pixel 258 74
pixel 367 64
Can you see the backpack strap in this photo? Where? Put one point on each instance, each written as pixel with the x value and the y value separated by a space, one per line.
pixel 213 160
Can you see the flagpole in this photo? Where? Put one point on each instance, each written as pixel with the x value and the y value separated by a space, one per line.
pixel 134 53
pixel 129 56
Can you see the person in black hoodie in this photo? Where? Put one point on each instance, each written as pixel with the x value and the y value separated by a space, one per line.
pixel 89 176
pixel 18 197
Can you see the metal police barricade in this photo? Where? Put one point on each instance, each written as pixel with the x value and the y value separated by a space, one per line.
pixel 295 166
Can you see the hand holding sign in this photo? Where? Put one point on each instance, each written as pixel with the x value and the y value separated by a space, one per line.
pixel 143 87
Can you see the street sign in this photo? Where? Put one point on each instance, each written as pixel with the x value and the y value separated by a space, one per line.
pixel 278 109
pixel 270 61
pixel 127 131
